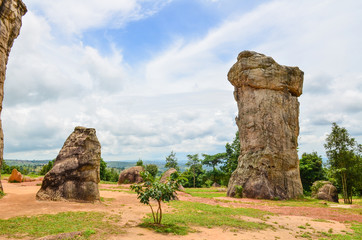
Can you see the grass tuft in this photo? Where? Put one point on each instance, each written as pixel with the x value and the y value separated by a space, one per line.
pixel 167 228
pixel 356 235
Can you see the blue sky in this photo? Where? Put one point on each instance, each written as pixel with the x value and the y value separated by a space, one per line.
pixel 150 75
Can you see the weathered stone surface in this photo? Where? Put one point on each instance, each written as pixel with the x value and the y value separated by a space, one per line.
pixel 15 176
pixel 266 94
pixel 75 174
pixel 131 175
pixel 324 190
pixel 167 174
pixel 11 12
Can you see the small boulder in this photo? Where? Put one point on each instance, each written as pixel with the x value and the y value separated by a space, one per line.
pixel 27 179
pixel 324 190
pixel 15 176
pixel 167 174
pixel 131 175
pixel 215 185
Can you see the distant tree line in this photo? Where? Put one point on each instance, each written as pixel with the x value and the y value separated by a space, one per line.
pixel 24 169
pixel 343 167
pixel 221 166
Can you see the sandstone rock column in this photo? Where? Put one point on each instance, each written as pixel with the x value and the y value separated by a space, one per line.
pixel 75 173
pixel 267 97
pixel 11 12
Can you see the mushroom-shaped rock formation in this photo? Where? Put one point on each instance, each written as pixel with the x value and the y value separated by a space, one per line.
pixel 75 174
pixel 266 94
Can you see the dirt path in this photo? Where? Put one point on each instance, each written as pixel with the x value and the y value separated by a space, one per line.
pixel 20 201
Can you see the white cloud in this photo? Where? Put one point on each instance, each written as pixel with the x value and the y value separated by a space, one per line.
pixel 180 100
pixel 76 16
pixel 48 70
pixel 321 38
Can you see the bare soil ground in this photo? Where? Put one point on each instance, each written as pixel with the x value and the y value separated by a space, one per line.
pixel 20 201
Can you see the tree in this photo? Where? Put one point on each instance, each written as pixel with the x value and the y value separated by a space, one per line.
pixel 46 168
pixel 171 161
pixel 213 161
pixel 160 192
pixel 194 163
pixel 232 156
pixel 311 170
pixel 139 163
pixel 5 168
pixel 103 170
pixel 344 160
pixel 152 169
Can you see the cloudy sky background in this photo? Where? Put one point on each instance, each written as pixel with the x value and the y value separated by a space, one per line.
pixel 150 75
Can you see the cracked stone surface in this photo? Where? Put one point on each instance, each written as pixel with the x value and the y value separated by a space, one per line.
pixel 267 97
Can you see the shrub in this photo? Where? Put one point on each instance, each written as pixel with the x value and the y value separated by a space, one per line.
pixel 208 183
pixel 139 163
pixel 160 192
pixel 152 169
pixel 238 191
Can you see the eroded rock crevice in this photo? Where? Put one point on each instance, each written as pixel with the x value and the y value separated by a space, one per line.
pixel 266 94
pixel 11 13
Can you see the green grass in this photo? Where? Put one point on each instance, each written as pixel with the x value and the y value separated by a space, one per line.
pixel 208 194
pixel 117 190
pixel 33 175
pixel 300 202
pixel 107 182
pixel 188 214
pixel 166 228
pixel 4 176
pixel 107 199
pixel 190 190
pixel 2 194
pixel 356 235
pixel 205 192
pixel 48 224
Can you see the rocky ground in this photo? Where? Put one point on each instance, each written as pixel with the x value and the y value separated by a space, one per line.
pixel 20 201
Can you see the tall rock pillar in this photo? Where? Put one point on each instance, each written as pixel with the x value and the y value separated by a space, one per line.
pixel 11 12
pixel 267 97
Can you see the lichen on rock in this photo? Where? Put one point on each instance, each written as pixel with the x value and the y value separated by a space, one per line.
pixel 266 94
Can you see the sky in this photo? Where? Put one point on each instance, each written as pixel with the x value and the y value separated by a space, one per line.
pixel 151 75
